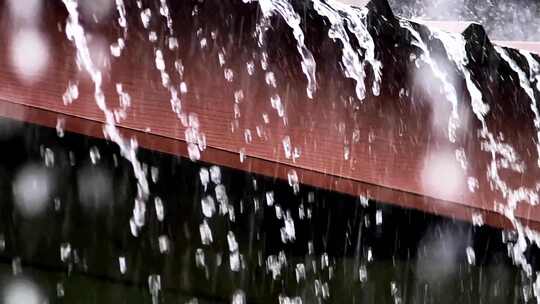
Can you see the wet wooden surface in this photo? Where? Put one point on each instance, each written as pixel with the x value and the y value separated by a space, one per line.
pixel 398 149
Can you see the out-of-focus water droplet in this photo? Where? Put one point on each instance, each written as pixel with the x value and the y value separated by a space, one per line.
pixel 160 210
pixel 32 190
pixel 270 198
pixel 228 74
pixel 16 266
pixel 19 291
pixel 146 15
pixel 247 136
pixel 362 273
pixel 204 176
pixel 122 264
pixel 2 242
pixel 200 258
pixel 60 125
pixel 242 154
pixel 173 43
pixel 183 87
pixel 235 261
pixel 293 180
pixel 48 156
pixel 477 219
pixel 275 101
pixel 215 175
pixel 289 300
pixel 208 206
pixel 221 194
pixel 65 252
pixel 193 152
pixel 95 156
pixel 60 292
pixel 378 217
pixel 206 233
pixel 71 93
pixel 364 200
pixel 287 148
pixel 29 54
pixel 154 286
pixel 288 232
pixel 231 241
pixel 238 297
pixel 154 174
pixel 471 257
pixel 270 79
pixel 394 291
pixel 300 271
pixel 95 187
pixel 473 184
pixel 117 47
pixel 164 244
pixel 28 10
pixel 250 67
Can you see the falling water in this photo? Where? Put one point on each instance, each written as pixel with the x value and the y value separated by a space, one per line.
pixel 342 19
pixel 340 14
pixel 286 11
pixel 448 88
pixel 76 33
pixel 455 47
pixel 354 68
pixel 525 84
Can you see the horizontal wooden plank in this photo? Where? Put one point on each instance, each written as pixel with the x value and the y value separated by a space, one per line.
pixel 392 147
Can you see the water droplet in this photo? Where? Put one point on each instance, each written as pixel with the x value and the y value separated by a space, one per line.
pixel 160 211
pixel 471 258
pixel 206 233
pixel 208 206
pixel 163 242
pixel 270 198
pixel 300 272
pixel 122 264
pixel 204 177
pixel 228 74
pixel 238 297
pixel 95 156
pixel 293 180
pixel 215 174
pixel 65 252
pixel 60 125
pixel 154 286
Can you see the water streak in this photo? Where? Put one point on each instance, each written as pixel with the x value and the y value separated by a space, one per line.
pixel 286 11
pixel 525 84
pixel 340 15
pixel 76 33
pixel 448 88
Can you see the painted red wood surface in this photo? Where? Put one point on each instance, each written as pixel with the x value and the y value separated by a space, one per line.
pixel 392 142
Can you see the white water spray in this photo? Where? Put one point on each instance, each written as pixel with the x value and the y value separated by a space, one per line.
pixel 339 15
pixel 525 83
pixel 354 68
pixel 286 11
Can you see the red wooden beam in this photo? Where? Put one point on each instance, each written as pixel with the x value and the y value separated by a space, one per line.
pixel 398 151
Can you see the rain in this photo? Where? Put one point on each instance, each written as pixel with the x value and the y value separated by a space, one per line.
pixel 269 151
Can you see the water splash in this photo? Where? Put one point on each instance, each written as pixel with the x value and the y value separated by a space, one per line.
pixel 286 11
pixel 343 17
